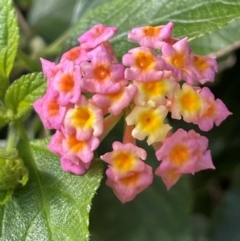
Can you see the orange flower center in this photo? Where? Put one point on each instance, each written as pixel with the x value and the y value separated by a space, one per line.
pixel 210 111
pixel 200 63
pixel 75 144
pixel 130 180
pixel 123 161
pixel 73 54
pixel 155 88
pixel 116 96
pixel 178 60
pixel 150 122
pixel 53 107
pixel 190 101
pixel 97 31
pixel 101 72
pixel 151 31
pixel 144 61
pixel 172 174
pixel 81 116
pixel 179 154
pixel 66 83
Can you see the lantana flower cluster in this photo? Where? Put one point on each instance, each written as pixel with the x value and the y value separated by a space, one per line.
pixel 89 91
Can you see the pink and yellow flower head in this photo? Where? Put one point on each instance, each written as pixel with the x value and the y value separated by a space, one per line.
pixel 204 68
pixel 126 188
pixel 145 65
pixel 86 119
pixel 116 102
pixel 127 174
pixel 73 147
pixel 151 37
pixel 125 158
pixel 78 155
pixel 187 103
pixel 88 92
pixel 74 57
pixel 101 75
pixel 177 57
pixel 67 85
pixel 96 35
pixel 50 111
pixel 184 152
pixel 149 121
pixel 216 112
pixel 154 91
pixel 204 160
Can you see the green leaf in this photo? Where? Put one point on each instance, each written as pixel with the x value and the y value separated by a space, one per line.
pixel 9 39
pixel 220 41
pixel 23 92
pixel 82 6
pixel 54 205
pixel 50 18
pixel 191 18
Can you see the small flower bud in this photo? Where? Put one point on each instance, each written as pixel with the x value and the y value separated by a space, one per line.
pixel 12 172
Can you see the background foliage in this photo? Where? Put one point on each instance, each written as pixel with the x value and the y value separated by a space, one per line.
pixel 55 205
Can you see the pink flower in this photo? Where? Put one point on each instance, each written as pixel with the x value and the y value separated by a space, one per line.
pixel 127 174
pixel 74 165
pixel 154 91
pixel 148 121
pixel 204 156
pixel 101 75
pixel 185 152
pixel 55 144
pixel 127 187
pixel 73 147
pixel 204 67
pixel 169 176
pixel 108 47
pixel 144 64
pixel 76 156
pixel 50 111
pixel 86 119
pixel 116 102
pixel 187 103
pixel 67 85
pixel 125 158
pixel 96 35
pixel 74 56
pixel 151 37
pixel 50 69
pixel 215 113
pixel 177 57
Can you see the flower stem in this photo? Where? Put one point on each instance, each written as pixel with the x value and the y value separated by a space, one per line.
pixel 109 122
